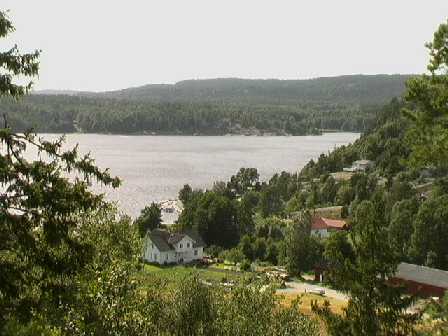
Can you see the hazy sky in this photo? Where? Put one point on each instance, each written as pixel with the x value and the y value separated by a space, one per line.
pixel 110 44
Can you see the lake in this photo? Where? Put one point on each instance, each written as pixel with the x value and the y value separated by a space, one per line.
pixel 154 168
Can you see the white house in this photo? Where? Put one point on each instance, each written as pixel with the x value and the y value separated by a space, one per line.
pixel 322 227
pixel 163 247
pixel 360 166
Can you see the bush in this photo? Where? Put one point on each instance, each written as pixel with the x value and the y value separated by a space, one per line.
pixel 214 251
pixel 245 265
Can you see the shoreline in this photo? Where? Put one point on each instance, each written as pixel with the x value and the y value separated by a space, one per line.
pixel 201 135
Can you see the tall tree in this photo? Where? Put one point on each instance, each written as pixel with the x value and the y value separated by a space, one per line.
pixel 428 95
pixel 14 64
pixel 429 239
pixel 185 194
pixel 299 251
pixel 374 307
pixel 246 179
pixel 214 217
pixel 401 227
pixel 150 218
pixel 41 249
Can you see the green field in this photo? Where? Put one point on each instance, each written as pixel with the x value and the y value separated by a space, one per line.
pixel 175 273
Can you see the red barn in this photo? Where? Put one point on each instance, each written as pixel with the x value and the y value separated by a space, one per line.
pixel 421 280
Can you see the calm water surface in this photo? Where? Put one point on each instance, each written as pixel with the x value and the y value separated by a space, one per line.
pixel 154 168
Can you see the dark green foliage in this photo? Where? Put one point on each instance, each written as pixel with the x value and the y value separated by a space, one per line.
pixel 150 218
pixel 214 217
pixel 260 248
pixel 13 64
pixel 246 179
pixel 439 312
pixel 429 238
pixel 245 266
pixel 428 96
pixel 270 201
pixel 338 251
pixel 246 211
pixel 234 255
pixel 185 194
pixel 329 190
pixel 40 241
pixel 401 227
pixel 193 310
pixel 40 210
pixel 246 247
pixel 384 144
pixel 214 107
pixel 359 89
pixel 375 307
pixel 214 251
pixel 300 246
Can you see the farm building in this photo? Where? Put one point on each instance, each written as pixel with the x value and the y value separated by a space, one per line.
pixel 421 280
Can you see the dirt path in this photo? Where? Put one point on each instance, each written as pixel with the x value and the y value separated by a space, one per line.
pixel 302 287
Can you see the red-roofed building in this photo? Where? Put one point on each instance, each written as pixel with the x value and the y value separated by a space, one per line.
pixel 322 226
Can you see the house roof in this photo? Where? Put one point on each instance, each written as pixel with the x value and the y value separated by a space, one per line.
pixel 165 241
pixel 198 241
pixel 160 239
pixel 319 223
pixel 422 274
pixel 363 162
pixel 175 238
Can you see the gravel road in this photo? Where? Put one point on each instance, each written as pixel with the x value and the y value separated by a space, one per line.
pixel 293 287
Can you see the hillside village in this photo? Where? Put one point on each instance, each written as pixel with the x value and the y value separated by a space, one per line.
pixel 308 212
pixel 353 244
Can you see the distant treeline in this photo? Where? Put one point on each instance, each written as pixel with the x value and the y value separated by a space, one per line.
pixel 213 107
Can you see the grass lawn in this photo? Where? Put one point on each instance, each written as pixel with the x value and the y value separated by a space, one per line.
pixel 172 274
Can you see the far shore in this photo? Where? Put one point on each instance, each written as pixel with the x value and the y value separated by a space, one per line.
pixel 200 135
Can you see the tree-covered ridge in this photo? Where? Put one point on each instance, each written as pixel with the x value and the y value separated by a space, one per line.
pixel 357 89
pixel 214 107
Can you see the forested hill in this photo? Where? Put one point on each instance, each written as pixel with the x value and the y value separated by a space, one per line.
pixel 356 89
pixel 212 107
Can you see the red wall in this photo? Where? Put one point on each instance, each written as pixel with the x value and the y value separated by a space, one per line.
pixel 419 289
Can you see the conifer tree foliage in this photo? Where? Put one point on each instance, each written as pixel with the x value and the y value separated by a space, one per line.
pixel 40 249
pixel 150 218
pixel 303 251
pixel 13 63
pixel 428 96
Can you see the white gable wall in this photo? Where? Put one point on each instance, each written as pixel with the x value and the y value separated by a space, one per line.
pixel 322 233
pixel 153 255
pixel 151 252
pixel 184 250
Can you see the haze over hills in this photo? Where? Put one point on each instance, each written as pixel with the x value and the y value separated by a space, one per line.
pixel 213 107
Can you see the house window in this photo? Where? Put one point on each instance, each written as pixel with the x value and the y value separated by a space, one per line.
pixel 166 256
pixel 155 256
pixel 188 245
pixel 195 252
pixel 180 245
